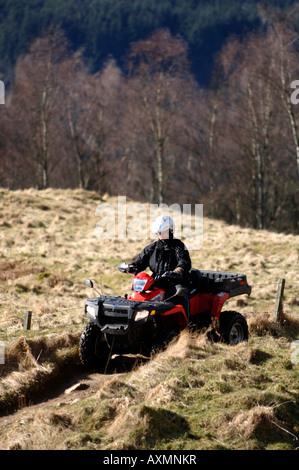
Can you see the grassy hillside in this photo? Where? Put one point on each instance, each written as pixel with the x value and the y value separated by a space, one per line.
pixel 195 395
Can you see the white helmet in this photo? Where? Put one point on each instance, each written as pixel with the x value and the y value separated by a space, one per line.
pixel 161 223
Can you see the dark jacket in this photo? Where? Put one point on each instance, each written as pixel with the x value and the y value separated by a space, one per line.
pixel 164 256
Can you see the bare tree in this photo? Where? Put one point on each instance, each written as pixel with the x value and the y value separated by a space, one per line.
pixel 285 45
pixel 35 102
pixel 90 102
pixel 253 103
pixel 157 68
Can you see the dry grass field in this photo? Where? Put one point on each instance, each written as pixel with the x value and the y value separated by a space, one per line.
pixel 195 395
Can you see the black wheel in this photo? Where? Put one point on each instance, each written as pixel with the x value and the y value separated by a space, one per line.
pixel 233 327
pixel 93 348
pixel 163 340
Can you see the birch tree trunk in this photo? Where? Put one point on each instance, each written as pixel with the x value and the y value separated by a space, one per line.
pixel 159 137
pixel 284 56
pixel 44 124
pixel 290 113
pixel 259 161
pixel 80 174
pixel 160 173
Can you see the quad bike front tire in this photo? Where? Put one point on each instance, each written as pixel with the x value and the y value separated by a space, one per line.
pixel 164 339
pixel 233 327
pixel 93 348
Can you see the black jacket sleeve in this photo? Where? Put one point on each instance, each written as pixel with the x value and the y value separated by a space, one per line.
pixel 142 260
pixel 183 257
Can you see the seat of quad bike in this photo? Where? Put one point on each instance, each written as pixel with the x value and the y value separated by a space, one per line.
pixel 197 281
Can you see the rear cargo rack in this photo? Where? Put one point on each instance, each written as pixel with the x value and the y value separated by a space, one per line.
pixel 220 281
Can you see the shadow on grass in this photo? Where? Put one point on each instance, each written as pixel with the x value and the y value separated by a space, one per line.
pixel 161 426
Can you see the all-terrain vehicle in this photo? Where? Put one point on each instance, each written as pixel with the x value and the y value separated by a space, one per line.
pixel 146 321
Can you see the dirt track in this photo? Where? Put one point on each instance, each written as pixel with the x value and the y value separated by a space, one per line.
pixel 77 386
pixel 87 383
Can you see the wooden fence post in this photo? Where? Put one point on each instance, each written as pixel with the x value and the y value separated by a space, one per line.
pixel 27 320
pixel 278 312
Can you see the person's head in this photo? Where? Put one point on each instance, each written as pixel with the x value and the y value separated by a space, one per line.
pixel 163 226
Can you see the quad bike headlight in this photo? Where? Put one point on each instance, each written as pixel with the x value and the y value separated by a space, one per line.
pixel 143 314
pixel 90 310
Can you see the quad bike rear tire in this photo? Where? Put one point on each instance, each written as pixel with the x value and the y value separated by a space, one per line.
pixel 233 327
pixel 93 348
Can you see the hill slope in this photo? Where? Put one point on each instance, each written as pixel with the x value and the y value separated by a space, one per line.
pixel 195 395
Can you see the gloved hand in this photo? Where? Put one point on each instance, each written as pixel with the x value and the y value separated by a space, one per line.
pixel 131 269
pixel 171 275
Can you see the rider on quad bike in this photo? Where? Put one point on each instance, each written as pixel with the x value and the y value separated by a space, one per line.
pixel 168 259
pixel 174 298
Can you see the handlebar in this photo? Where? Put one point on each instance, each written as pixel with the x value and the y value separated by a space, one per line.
pixel 123 267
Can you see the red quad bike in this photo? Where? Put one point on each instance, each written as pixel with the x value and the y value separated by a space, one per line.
pixel 145 322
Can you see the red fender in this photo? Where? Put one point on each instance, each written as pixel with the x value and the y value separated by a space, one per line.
pixel 155 294
pixel 178 309
pixel 218 304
